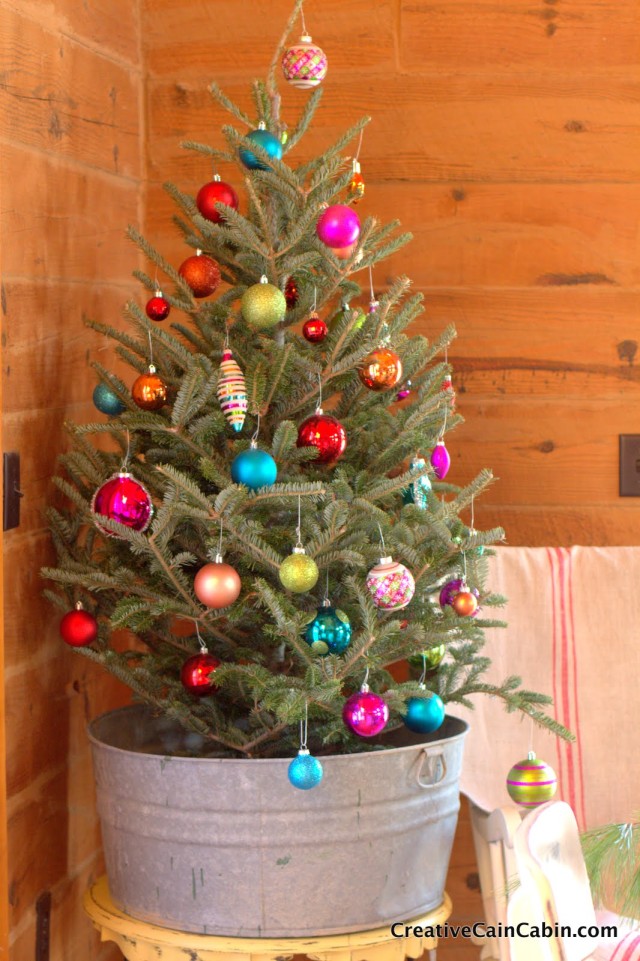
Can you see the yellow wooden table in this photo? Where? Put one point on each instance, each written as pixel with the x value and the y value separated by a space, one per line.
pixel 141 941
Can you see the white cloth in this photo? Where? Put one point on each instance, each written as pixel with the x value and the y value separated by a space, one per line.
pixel 574 633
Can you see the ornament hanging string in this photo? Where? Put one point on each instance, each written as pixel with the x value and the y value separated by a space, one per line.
pixel 531 729
pixel 220 540
pixel 315 298
pixel 319 391
pixel 357 156
pixel 304 26
pixel 326 587
pixel 423 676
pixel 257 430
pixel 384 549
pixel 203 647
pixel 365 683
pixel 299 527
pixel 304 727
pixel 150 349
pixel 125 462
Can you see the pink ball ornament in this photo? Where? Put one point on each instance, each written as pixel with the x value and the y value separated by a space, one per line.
pixel 365 713
pixel 304 64
pixel 440 460
pixel 125 500
pixel 390 584
pixel 338 226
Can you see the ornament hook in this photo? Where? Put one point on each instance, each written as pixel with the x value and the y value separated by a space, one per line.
pixel 365 683
pixel 299 527
pixel 384 549
pixel 319 407
pixel 125 461
pixel 150 348
pixel 304 26
pixel 254 439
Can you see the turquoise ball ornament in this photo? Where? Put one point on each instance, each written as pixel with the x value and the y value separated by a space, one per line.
pixel 416 493
pixel 424 714
pixel 329 632
pixel 268 142
pixel 305 771
pixel 254 468
pixel 107 401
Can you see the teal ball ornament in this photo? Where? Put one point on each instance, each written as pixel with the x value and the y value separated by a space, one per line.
pixel 305 771
pixel 107 401
pixel 329 632
pixel 416 493
pixel 268 141
pixel 254 468
pixel 424 714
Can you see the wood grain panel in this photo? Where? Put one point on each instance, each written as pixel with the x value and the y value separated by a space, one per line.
pixel 615 524
pixel 70 115
pixel 474 128
pixel 499 36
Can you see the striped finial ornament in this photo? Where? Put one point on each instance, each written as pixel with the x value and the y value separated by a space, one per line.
pixel 232 391
pixel 531 782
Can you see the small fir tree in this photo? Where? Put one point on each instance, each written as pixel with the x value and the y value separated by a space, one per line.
pixel 379 498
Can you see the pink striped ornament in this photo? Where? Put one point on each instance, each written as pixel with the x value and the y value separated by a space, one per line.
pixel 232 391
pixel 531 782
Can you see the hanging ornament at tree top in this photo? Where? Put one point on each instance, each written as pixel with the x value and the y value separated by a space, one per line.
pixel 304 64
pixel 201 273
pixel 267 141
pixel 263 305
pixel 356 184
pixel 232 390
pixel 216 192
pixel 338 226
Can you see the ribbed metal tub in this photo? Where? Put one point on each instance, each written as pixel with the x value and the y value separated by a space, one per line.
pixel 229 847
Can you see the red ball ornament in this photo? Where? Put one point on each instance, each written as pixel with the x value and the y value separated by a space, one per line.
pixel 381 369
pixel 201 273
pixel 326 434
pixel 196 674
pixel 149 392
pixel 157 307
pixel 217 585
pixel 78 628
pixel 216 192
pixel 465 604
pixel 125 500
pixel 291 293
pixel 315 329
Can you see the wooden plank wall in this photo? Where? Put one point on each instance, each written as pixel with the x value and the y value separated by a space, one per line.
pixel 71 135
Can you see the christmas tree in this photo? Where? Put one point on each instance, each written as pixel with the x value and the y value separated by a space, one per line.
pixel 271 518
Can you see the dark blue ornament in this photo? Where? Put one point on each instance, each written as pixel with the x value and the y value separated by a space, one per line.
pixel 254 468
pixel 329 632
pixel 424 714
pixel 268 142
pixel 416 493
pixel 107 401
pixel 305 771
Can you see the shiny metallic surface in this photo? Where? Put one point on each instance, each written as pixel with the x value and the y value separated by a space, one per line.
pixel 229 847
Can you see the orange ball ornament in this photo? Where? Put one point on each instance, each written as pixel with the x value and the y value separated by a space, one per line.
pixel 217 585
pixel 149 392
pixel 465 604
pixel 201 273
pixel 381 369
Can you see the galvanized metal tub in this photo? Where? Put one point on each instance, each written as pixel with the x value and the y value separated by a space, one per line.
pixel 229 847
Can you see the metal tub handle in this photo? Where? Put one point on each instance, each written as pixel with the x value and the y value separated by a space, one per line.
pixel 434 765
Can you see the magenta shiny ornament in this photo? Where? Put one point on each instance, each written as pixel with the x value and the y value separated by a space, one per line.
pixel 338 226
pixel 452 588
pixel 125 500
pixel 365 713
pixel 404 391
pixel 440 460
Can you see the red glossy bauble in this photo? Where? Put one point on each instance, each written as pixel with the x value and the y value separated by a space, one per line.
pixel 157 307
pixel 326 434
pixel 315 329
pixel 216 192
pixel 217 585
pixel 465 604
pixel 78 628
pixel 149 392
pixel 381 369
pixel 196 674
pixel 201 273
pixel 123 499
pixel 291 293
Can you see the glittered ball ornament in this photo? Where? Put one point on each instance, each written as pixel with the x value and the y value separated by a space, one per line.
pixel 304 64
pixel 365 713
pixel 390 584
pixel 381 369
pixel 232 390
pixel 315 329
pixel 254 468
pixel 298 572
pixel 217 585
pixel 417 492
pixel 440 460
pixel 329 632
pixel 201 273
pixel 465 604
pixel 338 226
pixel 124 500
pixel 78 628
pixel 424 714
pixel 216 192
pixel 305 771
pixel 263 305
pixel 149 392
pixel 268 142
pixel 326 434
pixel 157 307
pixel 196 674
pixel 291 293
pixel 531 782
pixel 107 401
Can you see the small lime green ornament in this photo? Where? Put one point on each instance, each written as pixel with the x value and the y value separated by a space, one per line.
pixel 531 782
pixel 433 655
pixel 263 305
pixel 298 573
